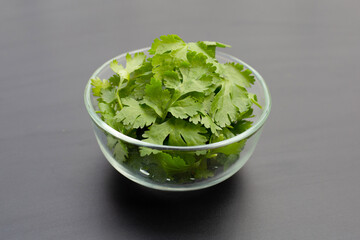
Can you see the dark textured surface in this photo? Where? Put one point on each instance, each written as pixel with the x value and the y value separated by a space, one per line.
pixel 301 183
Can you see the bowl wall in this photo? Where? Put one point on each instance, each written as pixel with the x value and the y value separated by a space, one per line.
pixel 136 167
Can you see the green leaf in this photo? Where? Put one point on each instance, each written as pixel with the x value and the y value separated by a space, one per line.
pixel 119 69
pixel 223 110
pixel 202 171
pixel 156 97
pixel 195 76
pixel 111 141
pixel 204 116
pixel 207 48
pixel 108 114
pixel 99 85
pixel 134 114
pixel 171 79
pixel 208 123
pixel 226 160
pixel 234 148
pixel 135 87
pixel 162 64
pixel 167 43
pixel 120 151
pixel 135 62
pixel 236 74
pixel 180 133
pixel 108 95
pixel 240 98
pixel 172 165
pixel 185 108
pixel 140 86
pixel 142 77
pixel 217 44
pixel 195 119
pixel 233 99
pixel 240 127
pixel 119 148
pixel 114 80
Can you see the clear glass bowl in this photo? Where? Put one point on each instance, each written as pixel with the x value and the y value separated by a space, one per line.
pixel 147 170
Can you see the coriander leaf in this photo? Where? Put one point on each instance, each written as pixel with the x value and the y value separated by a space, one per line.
pixel 184 108
pixel 234 148
pixel 107 114
pixel 196 76
pixel 145 151
pixel 119 148
pixel 217 44
pixel 180 54
pixel 111 141
pixel 247 114
pixel 202 171
pixel 236 74
pixel 206 102
pixel 132 64
pixel 143 71
pixel 223 110
pixel 231 100
pixel 114 80
pixel 140 86
pixel 207 48
pixel 204 116
pixel 156 97
pixel 167 43
pixel 162 64
pixel 226 160
pixel 134 114
pixel 180 133
pixel 202 48
pixel 135 87
pixel 172 165
pixel 240 127
pixel 240 98
pixel 98 85
pixel 120 151
pixel 108 95
pixel 135 62
pixel 119 69
pixel 142 77
pixel 171 45
pixel 208 123
pixel 171 79
pixel 195 119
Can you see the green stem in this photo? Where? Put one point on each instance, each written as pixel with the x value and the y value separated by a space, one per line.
pixel 118 91
pixel 118 99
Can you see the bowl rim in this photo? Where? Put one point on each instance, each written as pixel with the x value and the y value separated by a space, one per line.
pixel 253 129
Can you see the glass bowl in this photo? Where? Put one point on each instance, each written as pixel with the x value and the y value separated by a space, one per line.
pixel 215 157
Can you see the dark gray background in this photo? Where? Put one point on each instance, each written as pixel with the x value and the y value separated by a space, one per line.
pixel 301 183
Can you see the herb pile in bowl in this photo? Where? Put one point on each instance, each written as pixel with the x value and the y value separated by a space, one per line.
pixel 180 95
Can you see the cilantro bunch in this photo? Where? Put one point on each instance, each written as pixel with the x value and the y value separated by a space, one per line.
pixel 179 95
